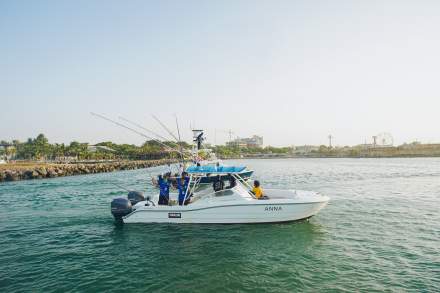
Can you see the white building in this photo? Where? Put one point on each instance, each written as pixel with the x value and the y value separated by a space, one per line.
pixel 250 142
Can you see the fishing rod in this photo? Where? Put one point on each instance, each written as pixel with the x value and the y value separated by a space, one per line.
pixel 180 141
pixel 165 127
pixel 177 125
pixel 154 133
pixel 120 186
pixel 125 188
pixel 172 134
pixel 141 127
pixel 133 130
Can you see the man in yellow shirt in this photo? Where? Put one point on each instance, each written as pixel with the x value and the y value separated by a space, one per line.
pixel 257 190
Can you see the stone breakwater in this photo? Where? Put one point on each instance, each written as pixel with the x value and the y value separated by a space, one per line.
pixel 39 171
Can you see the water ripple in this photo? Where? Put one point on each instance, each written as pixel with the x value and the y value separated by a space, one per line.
pixel 379 233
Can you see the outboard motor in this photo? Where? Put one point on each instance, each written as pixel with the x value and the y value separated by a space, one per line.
pixel 120 207
pixel 135 196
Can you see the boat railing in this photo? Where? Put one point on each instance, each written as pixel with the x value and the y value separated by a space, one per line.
pixel 244 184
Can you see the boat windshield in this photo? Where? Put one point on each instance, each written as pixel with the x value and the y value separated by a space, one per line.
pixel 241 186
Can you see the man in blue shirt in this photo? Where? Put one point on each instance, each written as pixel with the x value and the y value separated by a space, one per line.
pixel 164 194
pixel 182 186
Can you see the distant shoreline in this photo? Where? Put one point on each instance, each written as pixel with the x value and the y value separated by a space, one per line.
pixel 328 157
pixel 38 170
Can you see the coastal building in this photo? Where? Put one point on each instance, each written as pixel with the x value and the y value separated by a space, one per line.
pixel 7 151
pixel 248 142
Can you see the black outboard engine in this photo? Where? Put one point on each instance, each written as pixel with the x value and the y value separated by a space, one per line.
pixel 135 196
pixel 120 207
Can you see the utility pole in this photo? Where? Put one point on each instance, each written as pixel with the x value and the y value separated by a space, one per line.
pixel 374 141
pixel 330 140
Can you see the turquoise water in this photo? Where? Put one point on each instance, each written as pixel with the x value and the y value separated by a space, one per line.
pixel 380 232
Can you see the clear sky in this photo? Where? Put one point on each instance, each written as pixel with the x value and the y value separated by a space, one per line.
pixel 291 71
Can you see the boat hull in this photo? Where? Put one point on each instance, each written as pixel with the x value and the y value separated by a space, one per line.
pixel 262 212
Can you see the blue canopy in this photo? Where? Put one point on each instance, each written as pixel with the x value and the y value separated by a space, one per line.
pixel 215 169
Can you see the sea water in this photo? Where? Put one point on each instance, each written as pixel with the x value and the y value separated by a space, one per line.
pixel 380 232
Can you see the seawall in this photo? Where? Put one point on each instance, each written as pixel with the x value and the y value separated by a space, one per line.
pixel 15 172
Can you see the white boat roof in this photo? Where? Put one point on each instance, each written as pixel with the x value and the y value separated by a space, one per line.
pixel 215 169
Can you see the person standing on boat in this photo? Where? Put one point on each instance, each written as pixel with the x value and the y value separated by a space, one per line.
pixel 257 190
pixel 218 184
pixel 232 182
pixel 164 193
pixel 182 186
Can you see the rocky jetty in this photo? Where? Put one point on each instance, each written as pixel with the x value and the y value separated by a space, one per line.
pixel 38 171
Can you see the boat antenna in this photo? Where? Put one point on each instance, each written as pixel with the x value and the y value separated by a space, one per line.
pixel 133 130
pixel 165 127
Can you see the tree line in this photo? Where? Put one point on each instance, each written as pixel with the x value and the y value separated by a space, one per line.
pixel 227 151
pixel 39 148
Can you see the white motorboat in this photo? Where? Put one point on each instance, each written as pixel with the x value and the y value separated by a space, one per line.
pixel 227 206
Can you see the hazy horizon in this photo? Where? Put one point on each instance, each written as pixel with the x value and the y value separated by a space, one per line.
pixel 293 72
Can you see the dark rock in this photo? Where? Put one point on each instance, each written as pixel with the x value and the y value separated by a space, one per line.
pixel 11 175
pixel 28 174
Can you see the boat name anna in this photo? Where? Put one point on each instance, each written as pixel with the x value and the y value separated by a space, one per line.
pixel 174 215
pixel 273 209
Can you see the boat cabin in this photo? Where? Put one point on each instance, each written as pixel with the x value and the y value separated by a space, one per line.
pixel 195 190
